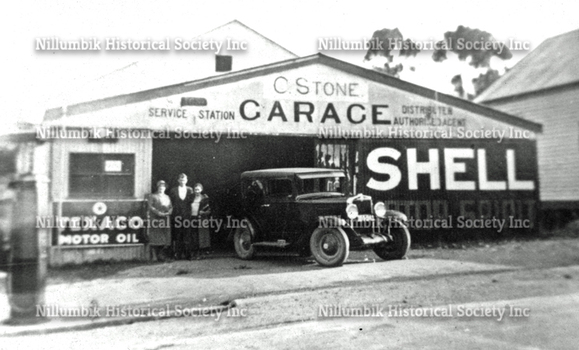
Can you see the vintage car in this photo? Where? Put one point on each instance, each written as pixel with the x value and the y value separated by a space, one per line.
pixel 308 211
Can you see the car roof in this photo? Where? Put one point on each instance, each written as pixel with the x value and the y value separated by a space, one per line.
pixel 290 172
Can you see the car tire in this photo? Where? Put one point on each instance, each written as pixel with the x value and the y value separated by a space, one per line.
pixel 243 240
pixel 330 246
pixel 399 247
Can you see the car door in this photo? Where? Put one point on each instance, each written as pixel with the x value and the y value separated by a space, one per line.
pixel 276 207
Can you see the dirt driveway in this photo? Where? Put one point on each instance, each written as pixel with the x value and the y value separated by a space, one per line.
pixel 532 253
pixel 540 274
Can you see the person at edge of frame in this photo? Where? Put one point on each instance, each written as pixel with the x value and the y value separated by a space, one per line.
pixel 160 210
pixel 200 210
pixel 181 198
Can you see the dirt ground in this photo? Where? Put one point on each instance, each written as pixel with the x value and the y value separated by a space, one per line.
pixel 542 251
pixel 539 273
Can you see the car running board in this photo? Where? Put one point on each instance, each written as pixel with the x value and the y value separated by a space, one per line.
pixel 279 244
pixel 374 239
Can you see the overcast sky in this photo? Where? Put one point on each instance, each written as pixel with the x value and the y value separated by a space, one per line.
pixel 34 77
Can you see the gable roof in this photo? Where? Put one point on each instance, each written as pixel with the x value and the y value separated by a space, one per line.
pixel 371 75
pixel 552 64
pixel 233 25
pixel 157 70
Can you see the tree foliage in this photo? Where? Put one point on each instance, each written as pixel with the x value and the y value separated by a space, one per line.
pixel 390 40
pixel 466 42
pixel 475 45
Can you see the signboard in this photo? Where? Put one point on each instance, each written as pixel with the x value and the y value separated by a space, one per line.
pixel 439 184
pixel 113 166
pixel 314 100
pixel 87 223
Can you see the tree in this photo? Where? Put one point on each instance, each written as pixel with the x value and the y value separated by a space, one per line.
pixel 391 41
pixel 485 80
pixel 474 45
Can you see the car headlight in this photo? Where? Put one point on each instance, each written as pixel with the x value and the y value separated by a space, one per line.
pixel 380 209
pixel 352 211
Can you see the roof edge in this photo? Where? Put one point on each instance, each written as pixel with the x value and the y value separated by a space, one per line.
pixel 372 75
pixel 441 97
pixel 529 94
pixel 252 30
pixel 482 98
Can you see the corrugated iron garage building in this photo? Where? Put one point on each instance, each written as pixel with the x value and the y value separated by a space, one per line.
pixel 430 155
pixel 544 88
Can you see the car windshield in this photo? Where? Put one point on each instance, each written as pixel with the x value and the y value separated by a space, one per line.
pixel 322 186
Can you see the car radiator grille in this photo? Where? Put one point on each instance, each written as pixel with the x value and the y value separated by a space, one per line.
pixel 364 206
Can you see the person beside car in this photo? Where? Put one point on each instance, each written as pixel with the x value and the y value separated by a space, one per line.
pixel 160 210
pixel 199 211
pixel 181 198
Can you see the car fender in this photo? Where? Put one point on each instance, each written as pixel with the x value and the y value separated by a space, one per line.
pixel 395 219
pixel 337 228
pixel 330 221
pixel 335 221
pixel 394 215
pixel 255 223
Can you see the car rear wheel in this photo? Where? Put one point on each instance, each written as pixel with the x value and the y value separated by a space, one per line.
pixel 330 246
pixel 243 241
pixel 398 248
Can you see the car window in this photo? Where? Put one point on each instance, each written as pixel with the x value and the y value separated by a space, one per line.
pixel 326 184
pixel 281 187
pixel 254 193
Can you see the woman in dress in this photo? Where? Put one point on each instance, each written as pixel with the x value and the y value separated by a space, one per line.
pixel 160 209
pixel 199 211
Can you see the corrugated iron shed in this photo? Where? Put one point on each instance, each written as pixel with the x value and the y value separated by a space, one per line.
pixel 552 64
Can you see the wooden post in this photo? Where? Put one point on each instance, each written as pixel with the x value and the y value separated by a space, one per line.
pixel 29 243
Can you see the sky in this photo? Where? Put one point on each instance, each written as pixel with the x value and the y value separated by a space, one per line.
pixel 32 78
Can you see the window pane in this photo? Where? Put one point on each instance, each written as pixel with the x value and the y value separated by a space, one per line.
pixel 328 184
pixel 84 163
pixel 85 185
pixel 280 187
pixel 119 186
pixel 7 161
pixel 223 63
pixel 102 175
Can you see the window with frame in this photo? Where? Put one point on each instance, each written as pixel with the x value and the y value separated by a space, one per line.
pixel 223 63
pixel 8 156
pixel 96 175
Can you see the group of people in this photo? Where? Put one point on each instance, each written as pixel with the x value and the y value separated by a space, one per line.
pixel 184 205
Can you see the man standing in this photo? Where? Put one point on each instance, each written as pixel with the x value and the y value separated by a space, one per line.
pixel 181 198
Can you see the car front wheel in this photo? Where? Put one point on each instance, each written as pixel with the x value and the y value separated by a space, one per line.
pixel 330 246
pixel 397 248
pixel 243 241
